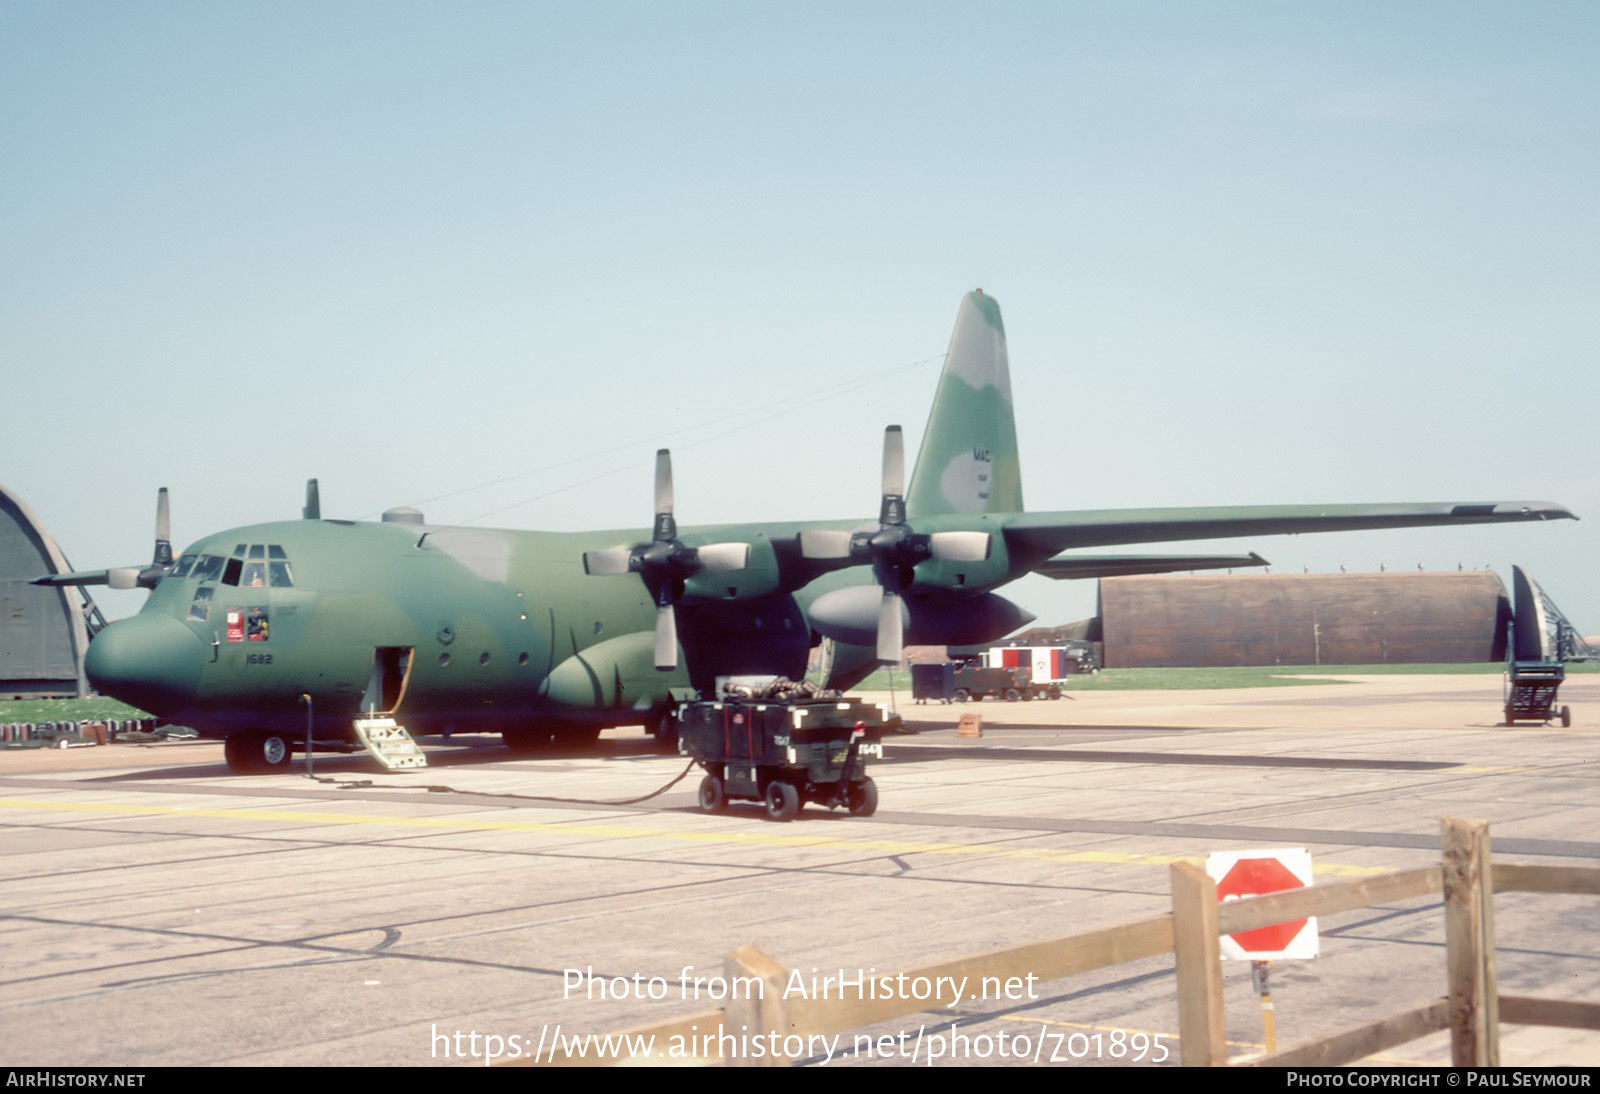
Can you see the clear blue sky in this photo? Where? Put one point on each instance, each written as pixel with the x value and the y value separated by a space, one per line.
pixel 486 257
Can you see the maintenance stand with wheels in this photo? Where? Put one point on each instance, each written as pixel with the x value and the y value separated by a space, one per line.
pixel 1531 688
pixel 784 751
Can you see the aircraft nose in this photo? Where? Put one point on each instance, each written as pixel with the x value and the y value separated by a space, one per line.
pixel 151 662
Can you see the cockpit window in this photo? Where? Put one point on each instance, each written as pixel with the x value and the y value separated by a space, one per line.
pixel 207 567
pixel 200 610
pixel 248 567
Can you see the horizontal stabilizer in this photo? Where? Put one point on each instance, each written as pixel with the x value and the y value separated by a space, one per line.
pixel 1081 566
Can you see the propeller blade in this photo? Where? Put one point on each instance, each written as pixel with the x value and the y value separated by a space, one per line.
pixel 960 546
pixel 611 560
pixel 666 527
pixel 894 463
pixel 721 557
pixel 163 555
pixel 666 637
pixel 891 627
pixel 820 543
pixel 313 509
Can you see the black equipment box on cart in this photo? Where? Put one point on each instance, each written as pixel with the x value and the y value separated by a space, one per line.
pixel 784 753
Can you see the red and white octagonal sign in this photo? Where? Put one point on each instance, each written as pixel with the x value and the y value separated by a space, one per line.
pixel 1240 874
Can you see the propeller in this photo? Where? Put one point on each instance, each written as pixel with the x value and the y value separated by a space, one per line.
pixel 666 562
pixel 129 577
pixel 894 548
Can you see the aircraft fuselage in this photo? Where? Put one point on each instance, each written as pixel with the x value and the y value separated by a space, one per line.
pixel 461 629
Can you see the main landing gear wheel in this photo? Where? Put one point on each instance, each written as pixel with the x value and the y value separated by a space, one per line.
pixel 576 742
pixel 783 801
pixel 862 798
pixel 712 798
pixel 527 742
pixel 665 731
pixel 257 752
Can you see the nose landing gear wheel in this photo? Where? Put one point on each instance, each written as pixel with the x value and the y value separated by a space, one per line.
pixel 783 801
pixel 257 752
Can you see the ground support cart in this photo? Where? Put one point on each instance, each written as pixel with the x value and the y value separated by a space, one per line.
pixel 1531 692
pixel 784 754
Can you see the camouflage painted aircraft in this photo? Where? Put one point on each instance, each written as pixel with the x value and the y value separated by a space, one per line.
pixel 545 636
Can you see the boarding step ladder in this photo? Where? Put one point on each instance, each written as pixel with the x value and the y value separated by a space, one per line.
pixel 389 742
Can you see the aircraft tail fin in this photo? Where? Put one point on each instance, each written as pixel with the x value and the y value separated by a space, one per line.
pixel 968 461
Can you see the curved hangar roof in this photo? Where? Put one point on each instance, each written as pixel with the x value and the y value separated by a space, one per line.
pixel 43 632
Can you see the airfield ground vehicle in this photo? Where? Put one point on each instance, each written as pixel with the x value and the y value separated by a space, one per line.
pixel 956 682
pixel 784 753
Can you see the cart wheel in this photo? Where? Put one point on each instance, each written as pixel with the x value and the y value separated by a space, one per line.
pixel 712 799
pixel 1012 695
pixel 962 695
pixel 1027 695
pixel 783 801
pixel 1055 693
pixel 1566 716
pixel 862 798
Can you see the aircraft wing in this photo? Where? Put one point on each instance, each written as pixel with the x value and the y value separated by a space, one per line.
pixel 118 577
pixel 1040 535
pixel 76 577
pixel 1069 567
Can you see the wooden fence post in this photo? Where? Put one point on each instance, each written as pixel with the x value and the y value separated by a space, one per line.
pixel 760 1011
pixel 1469 944
pixel 1199 961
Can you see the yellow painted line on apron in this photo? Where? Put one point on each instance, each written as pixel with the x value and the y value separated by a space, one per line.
pixel 618 831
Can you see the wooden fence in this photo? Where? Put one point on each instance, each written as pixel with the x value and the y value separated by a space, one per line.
pixel 1472 1011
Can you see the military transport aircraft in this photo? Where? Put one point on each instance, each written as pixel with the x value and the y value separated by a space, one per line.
pixel 545 636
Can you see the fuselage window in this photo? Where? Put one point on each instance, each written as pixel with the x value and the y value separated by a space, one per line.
pixel 257 551
pixel 280 575
pixel 274 551
pixel 230 573
pixel 181 567
pixel 254 575
pixel 238 552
